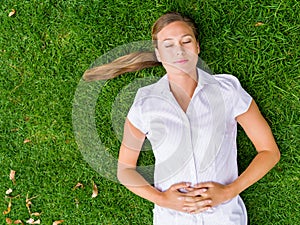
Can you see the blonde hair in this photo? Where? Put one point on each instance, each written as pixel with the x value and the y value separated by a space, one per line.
pixel 137 60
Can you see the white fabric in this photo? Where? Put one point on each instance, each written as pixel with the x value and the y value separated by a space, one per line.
pixel 196 146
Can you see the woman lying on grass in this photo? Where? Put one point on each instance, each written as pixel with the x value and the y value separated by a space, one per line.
pixel 190 119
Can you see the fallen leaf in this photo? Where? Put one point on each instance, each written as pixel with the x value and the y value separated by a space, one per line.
pixel 95 190
pixel 9 191
pixel 78 185
pixel 12 12
pixel 26 141
pixel 8 208
pixel 37 221
pixel 12 176
pixel 8 221
pixel 35 214
pixel 259 24
pixel 18 222
pixel 28 200
pixel 12 197
pixel 28 204
pixel 31 221
pixel 57 222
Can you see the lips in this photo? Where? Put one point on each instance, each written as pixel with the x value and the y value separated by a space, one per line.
pixel 181 61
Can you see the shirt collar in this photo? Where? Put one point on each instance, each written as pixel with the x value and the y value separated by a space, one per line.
pixel 204 78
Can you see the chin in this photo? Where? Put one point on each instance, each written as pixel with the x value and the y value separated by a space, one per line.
pixel 181 69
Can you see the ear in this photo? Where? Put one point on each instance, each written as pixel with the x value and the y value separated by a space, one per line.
pixel 198 47
pixel 157 55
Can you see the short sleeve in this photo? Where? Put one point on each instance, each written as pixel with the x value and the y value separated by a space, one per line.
pixel 241 99
pixel 135 115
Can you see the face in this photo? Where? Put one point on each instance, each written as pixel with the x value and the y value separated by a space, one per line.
pixel 177 48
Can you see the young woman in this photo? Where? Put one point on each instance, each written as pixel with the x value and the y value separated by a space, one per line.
pixel 190 118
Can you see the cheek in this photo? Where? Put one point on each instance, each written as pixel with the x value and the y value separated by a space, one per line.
pixel 192 53
pixel 166 55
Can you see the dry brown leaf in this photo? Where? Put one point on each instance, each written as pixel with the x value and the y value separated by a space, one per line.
pixel 12 197
pixel 12 12
pixel 9 191
pixel 31 221
pixel 28 200
pixel 95 190
pixel 29 203
pixel 37 221
pixel 57 222
pixel 12 176
pixel 26 141
pixel 35 214
pixel 8 221
pixel 8 208
pixel 78 185
pixel 18 222
pixel 259 24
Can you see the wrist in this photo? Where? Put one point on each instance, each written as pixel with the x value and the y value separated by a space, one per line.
pixel 232 190
pixel 159 198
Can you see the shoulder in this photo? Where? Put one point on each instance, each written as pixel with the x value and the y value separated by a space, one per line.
pixel 227 80
pixel 229 84
pixel 153 89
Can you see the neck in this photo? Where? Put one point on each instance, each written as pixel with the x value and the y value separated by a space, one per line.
pixel 183 84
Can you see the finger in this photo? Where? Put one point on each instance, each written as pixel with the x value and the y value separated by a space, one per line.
pixel 200 210
pixel 189 189
pixel 197 206
pixel 175 187
pixel 191 200
pixel 205 185
pixel 197 192
pixel 198 201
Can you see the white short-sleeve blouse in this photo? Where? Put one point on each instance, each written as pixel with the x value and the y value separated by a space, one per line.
pixel 195 146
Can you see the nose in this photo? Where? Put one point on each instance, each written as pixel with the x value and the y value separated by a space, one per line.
pixel 180 50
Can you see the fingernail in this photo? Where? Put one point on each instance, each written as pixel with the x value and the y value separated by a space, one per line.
pixel 204 190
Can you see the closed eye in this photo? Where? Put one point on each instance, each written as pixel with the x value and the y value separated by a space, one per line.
pixel 168 45
pixel 186 42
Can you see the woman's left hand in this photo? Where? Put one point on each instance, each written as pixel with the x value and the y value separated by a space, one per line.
pixel 212 192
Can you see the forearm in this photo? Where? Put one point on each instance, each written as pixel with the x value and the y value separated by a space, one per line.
pixel 263 162
pixel 136 183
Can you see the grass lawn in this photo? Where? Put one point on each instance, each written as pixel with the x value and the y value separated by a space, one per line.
pixel 47 45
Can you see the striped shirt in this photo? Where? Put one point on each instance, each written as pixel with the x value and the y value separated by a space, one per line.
pixel 195 146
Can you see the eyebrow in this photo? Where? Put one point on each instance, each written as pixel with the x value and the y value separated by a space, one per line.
pixel 185 35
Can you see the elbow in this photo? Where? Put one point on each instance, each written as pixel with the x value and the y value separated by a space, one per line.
pixel 277 156
pixel 123 173
pixel 120 173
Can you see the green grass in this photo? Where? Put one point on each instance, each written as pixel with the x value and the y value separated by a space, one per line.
pixel 47 45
